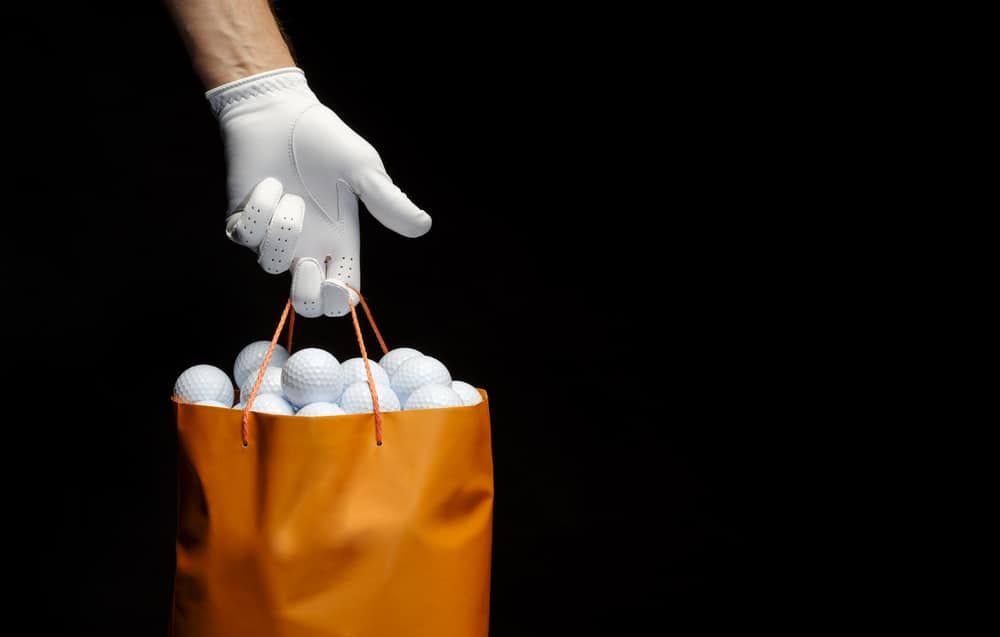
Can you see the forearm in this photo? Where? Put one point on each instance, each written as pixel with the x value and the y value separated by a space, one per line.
pixel 230 39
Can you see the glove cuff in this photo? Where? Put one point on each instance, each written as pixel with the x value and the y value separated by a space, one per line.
pixel 253 86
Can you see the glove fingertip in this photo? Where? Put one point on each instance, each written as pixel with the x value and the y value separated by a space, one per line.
pixel 421 225
pixel 337 298
pixel 307 278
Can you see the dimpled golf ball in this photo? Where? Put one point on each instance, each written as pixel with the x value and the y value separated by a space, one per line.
pixel 311 375
pixel 432 397
pixel 251 358
pixel 469 394
pixel 357 398
pixel 270 384
pixel 272 404
pixel 353 370
pixel 391 361
pixel 321 409
pixel 212 403
pixel 204 382
pixel 417 372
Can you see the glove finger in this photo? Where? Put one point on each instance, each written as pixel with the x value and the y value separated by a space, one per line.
pixel 343 261
pixel 307 279
pixel 342 264
pixel 283 231
pixel 247 224
pixel 390 205
pixel 337 297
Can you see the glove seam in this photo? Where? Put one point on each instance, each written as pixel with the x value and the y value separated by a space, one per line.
pixel 293 160
pixel 255 86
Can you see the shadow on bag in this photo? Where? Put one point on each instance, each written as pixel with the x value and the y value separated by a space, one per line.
pixel 364 525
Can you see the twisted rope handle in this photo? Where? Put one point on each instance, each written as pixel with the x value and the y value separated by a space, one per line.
pixel 245 428
pixel 371 380
pixel 371 321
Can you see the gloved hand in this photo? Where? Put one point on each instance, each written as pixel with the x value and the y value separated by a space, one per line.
pixel 295 172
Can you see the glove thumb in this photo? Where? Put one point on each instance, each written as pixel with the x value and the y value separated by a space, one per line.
pixel 390 205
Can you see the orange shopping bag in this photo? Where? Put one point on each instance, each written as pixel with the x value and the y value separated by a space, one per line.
pixel 365 525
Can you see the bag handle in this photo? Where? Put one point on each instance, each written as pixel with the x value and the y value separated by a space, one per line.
pixel 244 428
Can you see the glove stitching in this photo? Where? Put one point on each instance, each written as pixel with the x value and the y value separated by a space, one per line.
pixel 262 88
pixel 334 225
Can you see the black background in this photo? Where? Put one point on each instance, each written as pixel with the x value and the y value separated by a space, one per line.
pixel 588 266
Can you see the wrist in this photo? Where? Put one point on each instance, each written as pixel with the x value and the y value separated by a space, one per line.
pixel 230 40
pixel 270 82
pixel 217 71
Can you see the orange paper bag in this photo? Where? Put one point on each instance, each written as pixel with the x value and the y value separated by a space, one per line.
pixel 366 525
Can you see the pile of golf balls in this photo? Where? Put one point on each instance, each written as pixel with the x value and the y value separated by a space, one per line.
pixel 312 382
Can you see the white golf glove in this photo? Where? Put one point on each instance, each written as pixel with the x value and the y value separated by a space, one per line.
pixel 295 172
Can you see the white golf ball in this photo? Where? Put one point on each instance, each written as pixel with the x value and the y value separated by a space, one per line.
pixel 272 404
pixel 270 384
pixel 469 394
pixel 204 382
pixel 212 403
pixel 353 370
pixel 391 361
pixel 251 358
pixel 417 372
pixel 432 397
pixel 321 409
pixel 357 398
pixel 311 375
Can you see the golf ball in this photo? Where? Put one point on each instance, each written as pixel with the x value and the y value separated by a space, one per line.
pixel 212 403
pixel 417 372
pixel 251 358
pixel 270 384
pixel 391 361
pixel 353 370
pixel 357 398
pixel 469 394
pixel 311 375
pixel 433 396
pixel 272 404
pixel 204 382
pixel 321 409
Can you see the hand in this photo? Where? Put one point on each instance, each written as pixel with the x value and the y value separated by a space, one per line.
pixel 295 172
